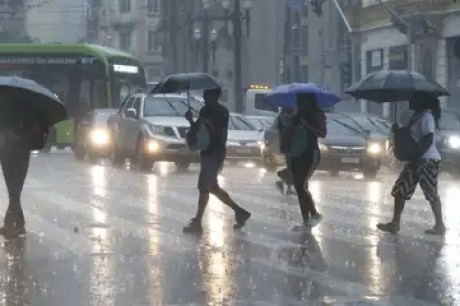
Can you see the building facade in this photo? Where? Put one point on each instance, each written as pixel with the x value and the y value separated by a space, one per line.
pixel 199 39
pixel 318 46
pixel 131 26
pixel 430 46
pixel 13 18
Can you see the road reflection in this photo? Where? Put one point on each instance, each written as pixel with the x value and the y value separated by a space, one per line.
pixel 102 266
pixel 154 232
pixel 216 257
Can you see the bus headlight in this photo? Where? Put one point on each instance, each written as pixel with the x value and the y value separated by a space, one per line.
pixel 374 148
pixel 454 142
pixel 100 137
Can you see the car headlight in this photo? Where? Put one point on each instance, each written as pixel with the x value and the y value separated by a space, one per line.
pixel 152 146
pixel 100 136
pixel 454 142
pixel 323 147
pixel 261 144
pixel 374 148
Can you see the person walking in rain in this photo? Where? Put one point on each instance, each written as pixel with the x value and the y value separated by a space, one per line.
pixel 22 131
pixel 285 175
pixel 215 116
pixel 310 118
pixel 423 117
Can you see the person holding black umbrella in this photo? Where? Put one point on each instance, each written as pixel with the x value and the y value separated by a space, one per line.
pixel 22 130
pixel 423 168
pixel 215 117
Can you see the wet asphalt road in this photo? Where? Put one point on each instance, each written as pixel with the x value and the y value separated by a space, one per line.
pixel 106 236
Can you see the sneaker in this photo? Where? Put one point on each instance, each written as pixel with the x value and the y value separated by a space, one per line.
pixel 11 233
pixel 241 218
pixel 194 226
pixel 302 227
pixel 437 230
pixel 280 187
pixel 315 220
pixel 390 227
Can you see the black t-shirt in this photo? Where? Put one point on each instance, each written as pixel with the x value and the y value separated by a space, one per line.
pixel 216 118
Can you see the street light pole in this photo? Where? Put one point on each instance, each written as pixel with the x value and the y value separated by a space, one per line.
pixel 237 34
pixel 205 40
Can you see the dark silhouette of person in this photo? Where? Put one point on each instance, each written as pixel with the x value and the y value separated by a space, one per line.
pixel 215 116
pixel 22 130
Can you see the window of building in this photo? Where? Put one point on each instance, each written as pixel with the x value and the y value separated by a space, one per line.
pixel 125 6
pixel 153 41
pixel 125 41
pixel 153 6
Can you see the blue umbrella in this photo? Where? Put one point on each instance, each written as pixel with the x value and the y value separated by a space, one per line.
pixel 285 95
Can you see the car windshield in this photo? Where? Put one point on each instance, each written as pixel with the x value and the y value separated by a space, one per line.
pixel 240 124
pixel 102 117
pixel 449 121
pixel 261 123
pixel 366 124
pixel 335 127
pixel 167 106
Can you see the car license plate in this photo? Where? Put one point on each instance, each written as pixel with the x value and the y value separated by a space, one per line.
pixel 350 160
pixel 243 150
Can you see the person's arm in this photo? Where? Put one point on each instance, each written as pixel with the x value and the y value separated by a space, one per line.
pixel 319 129
pixel 428 129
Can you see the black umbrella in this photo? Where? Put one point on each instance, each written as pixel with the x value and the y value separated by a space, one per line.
pixel 394 85
pixel 38 97
pixel 185 82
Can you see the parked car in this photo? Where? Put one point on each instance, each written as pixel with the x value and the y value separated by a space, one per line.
pixel 244 140
pixel 346 148
pixel 151 128
pixel 93 139
pixel 261 122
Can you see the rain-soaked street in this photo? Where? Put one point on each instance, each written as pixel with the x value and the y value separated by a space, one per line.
pixel 99 235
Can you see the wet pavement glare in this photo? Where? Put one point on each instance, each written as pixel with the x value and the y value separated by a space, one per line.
pixel 100 235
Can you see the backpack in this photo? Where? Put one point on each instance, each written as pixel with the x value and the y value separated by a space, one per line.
pixel 198 137
pixel 405 146
pixel 293 141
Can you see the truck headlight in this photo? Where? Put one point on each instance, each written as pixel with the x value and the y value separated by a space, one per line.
pixel 374 148
pixel 454 142
pixel 100 137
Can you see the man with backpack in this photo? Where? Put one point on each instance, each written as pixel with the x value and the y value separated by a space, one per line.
pixel 415 144
pixel 215 118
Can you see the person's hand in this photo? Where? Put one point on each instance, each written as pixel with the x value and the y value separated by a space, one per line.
pixel 189 116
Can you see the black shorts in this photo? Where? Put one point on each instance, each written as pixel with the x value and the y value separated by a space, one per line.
pixel 424 173
pixel 210 167
pixel 303 167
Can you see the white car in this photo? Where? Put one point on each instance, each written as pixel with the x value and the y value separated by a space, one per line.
pixel 151 128
pixel 244 141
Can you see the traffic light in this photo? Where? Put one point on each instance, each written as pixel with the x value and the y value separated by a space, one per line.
pixel 317 7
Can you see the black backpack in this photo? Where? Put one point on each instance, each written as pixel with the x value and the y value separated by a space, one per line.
pixel 405 146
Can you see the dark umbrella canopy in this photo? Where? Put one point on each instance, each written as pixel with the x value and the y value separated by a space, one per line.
pixel 394 85
pixel 39 98
pixel 184 82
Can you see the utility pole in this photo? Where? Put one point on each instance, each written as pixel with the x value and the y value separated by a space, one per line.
pixel 173 34
pixel 237 34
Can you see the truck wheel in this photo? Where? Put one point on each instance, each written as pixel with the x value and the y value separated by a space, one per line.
pixel 182 165
pixel 370 173
pixel 144 162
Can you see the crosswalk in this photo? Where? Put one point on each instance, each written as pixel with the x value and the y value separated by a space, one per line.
pixel 127 226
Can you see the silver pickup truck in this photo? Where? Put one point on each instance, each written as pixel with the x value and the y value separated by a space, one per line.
pixel 151 128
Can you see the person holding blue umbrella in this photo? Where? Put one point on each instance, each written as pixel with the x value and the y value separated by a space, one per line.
pixel 300 140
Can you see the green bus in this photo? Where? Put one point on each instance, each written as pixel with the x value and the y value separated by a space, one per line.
pixel 84 76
